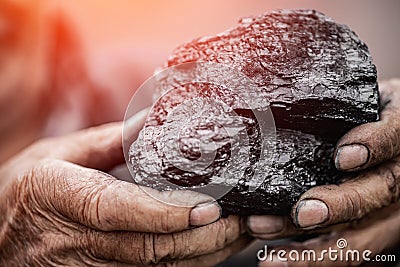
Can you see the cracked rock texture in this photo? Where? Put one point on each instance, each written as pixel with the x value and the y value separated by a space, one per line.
pixel 315 75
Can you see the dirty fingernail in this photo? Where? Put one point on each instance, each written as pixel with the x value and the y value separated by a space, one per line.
pixel 204 214
pixel 351 156
pixel 265 224
pixel 311 212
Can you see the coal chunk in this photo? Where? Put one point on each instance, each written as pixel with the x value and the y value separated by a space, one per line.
pixel 318 74
pixel 302 162
pixel 315 75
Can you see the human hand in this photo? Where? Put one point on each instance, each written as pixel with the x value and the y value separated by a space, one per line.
pixel 58 209
pixel 373 149
pixel 348 244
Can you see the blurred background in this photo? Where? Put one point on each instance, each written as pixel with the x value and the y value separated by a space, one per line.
pixel 147 31
pixel 66 65
pixel 113 46
pixel 131 38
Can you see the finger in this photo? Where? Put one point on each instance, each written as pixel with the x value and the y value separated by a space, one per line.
pixel 375 237
pixel 375 142
pixel 133 125
pixel 213 259
pixel 148 249
pixel 351 200
pixel 97 147
pixel 270 227
pixel 100 201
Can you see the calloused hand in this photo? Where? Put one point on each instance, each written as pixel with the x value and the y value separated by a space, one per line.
pixel 58 208
pixel 372 150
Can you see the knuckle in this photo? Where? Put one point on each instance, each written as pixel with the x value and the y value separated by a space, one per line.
pixel 34 185
pixel 88 198
pixel 392 179
pixel 222 233
pixel 88 242
pixel 81 198
pixel 355 205
pixel 392 147
pixel 166 222
pixel 346 205
pixel 170 247
pixel 111 217
pixel 89 207
pixel 148 256
pixel 368 192
pixel 92 247
pixel 191 243
pixel 129 247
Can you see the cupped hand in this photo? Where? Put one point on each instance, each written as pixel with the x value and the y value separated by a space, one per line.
pixel 58 207
pixel 373 239
pixel 372 150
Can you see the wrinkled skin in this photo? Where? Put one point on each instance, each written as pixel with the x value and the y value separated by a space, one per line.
pixel 364 210
pixel 58 209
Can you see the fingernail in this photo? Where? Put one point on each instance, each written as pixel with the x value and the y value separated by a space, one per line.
pixel 275 262
pixel 351 156
pixel 204 214
pixel 265 224
pixel 311 212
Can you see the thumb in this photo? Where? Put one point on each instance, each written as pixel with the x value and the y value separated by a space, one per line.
pixel 100 201
pixel 376 142
pixel 351 200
